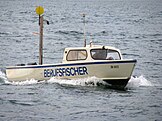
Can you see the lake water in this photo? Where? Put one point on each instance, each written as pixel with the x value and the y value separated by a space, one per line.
pixel 133 26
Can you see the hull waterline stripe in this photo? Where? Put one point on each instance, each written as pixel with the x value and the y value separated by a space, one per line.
pixel 73 64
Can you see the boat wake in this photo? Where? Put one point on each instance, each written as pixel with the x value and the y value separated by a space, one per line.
pixel 138 82
pixel 3 77
pixel 90 81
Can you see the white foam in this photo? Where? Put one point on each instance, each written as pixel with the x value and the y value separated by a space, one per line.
pixel 26 82
pixel 138 81
pixel 90 81
pixel 3 76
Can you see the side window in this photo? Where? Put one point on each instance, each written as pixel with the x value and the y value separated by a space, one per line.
pixel 75 55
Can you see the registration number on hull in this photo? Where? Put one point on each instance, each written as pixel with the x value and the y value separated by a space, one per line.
pixel 114 66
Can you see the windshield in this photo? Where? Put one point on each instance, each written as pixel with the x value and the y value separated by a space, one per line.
pixel 105 54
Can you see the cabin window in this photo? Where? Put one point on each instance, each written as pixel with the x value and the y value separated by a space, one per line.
pixel 74 55
pixel 105 54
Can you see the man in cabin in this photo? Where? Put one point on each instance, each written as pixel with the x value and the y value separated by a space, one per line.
pixel 100 54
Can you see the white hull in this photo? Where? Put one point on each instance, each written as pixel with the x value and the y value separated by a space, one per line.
pixel 109 71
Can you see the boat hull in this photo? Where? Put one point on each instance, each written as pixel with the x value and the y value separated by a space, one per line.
pixel 115 72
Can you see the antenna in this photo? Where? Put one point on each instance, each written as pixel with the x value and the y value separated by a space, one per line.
pixel 84 22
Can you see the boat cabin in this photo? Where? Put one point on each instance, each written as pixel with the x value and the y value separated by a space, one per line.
pixel 91 53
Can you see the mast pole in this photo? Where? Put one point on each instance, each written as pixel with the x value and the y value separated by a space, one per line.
pixel 40 10
pixel 84 30
pixel 41 41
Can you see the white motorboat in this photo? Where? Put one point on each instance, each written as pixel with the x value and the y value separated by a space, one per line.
pixel 103 62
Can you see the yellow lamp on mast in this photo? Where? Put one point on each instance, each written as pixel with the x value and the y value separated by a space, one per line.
pixel 39 10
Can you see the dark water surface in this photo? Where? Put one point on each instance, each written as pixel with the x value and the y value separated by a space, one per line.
pixel 134 26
